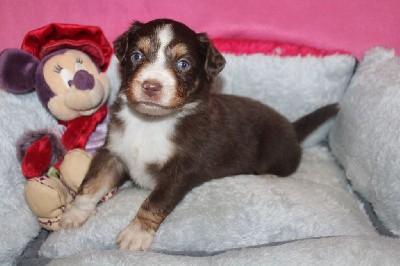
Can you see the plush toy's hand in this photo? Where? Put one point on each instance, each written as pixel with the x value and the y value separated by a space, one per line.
pixel 38 150
pixel 37 158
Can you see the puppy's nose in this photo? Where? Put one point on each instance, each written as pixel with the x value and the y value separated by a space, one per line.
pixel 151 87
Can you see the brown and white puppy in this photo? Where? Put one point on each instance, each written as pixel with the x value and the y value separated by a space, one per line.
pixel 169 133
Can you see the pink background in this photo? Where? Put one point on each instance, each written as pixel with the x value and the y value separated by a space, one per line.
pixel 350 25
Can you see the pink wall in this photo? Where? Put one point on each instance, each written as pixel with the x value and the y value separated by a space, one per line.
pixel 351 25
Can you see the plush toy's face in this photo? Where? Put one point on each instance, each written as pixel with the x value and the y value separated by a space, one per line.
pixel 67 81
pixel 80 88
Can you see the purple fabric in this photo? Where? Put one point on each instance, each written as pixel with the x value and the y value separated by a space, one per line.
pixel 83 80
pixel 17 71
pixel 98 137
pixel 44 91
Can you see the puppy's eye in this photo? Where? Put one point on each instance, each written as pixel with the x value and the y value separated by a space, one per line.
pixel 183 65
pixel 136 57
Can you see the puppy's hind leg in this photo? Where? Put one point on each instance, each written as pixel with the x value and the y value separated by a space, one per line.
pixel 106 172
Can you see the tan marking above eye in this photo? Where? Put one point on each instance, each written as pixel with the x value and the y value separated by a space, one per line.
pixel 179 50
pixel 144 44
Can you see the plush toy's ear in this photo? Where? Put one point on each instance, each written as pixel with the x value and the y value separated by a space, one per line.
pixel 121 44
pixel 17 71
pixel 215 61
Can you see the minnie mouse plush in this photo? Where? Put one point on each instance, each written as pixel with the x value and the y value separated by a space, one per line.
pixel 65 64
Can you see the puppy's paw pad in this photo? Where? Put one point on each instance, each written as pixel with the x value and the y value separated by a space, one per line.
pixel 134 238
pixel 74 217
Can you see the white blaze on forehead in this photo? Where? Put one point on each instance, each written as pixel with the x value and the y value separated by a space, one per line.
pixel 158 69
pixel 165 36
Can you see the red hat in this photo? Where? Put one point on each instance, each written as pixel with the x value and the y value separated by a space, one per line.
pixel 56 36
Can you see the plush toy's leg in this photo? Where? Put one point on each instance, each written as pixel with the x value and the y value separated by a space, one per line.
pixel 47 197
pixel 74 168
pixel 106 172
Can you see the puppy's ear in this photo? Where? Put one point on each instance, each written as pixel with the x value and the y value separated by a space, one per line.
pixel 215 62
pixel 121 44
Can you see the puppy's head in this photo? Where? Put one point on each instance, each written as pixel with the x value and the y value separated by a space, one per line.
pixel 165 65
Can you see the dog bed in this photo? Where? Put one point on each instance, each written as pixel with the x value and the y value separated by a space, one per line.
pixel 313 214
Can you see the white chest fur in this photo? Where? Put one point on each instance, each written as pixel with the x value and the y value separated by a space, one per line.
pixel 143 142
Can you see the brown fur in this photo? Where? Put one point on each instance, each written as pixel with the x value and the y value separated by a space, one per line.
pixel 105 173
pixel 149 218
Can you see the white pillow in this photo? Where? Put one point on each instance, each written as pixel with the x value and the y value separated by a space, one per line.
pixel 233 212
pixel 293 85
pixel 366 136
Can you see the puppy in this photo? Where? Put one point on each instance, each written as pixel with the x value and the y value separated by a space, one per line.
pixel 169 133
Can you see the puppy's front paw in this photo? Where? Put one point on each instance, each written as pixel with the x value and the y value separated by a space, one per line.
pixel 75 216
pixel 135 238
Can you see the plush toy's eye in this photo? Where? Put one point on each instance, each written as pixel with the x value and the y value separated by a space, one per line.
pixel 183 65
pixel 79 65
pixel 136 57
pixel 66 77
pixel 57 68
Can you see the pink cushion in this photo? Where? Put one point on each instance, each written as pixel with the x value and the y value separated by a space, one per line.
pixel 245 46
pixel 352 26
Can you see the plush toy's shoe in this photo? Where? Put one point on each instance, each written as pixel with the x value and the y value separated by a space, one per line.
pixel 47 197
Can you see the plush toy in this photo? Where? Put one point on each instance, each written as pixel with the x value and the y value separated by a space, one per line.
pixel 65 64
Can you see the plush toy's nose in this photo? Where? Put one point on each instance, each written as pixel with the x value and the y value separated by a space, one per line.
pixel 83 80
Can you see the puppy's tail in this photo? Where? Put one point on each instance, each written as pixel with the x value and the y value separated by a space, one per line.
pixel 308 123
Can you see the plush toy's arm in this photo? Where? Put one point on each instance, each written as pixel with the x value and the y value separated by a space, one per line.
pixel 37 151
